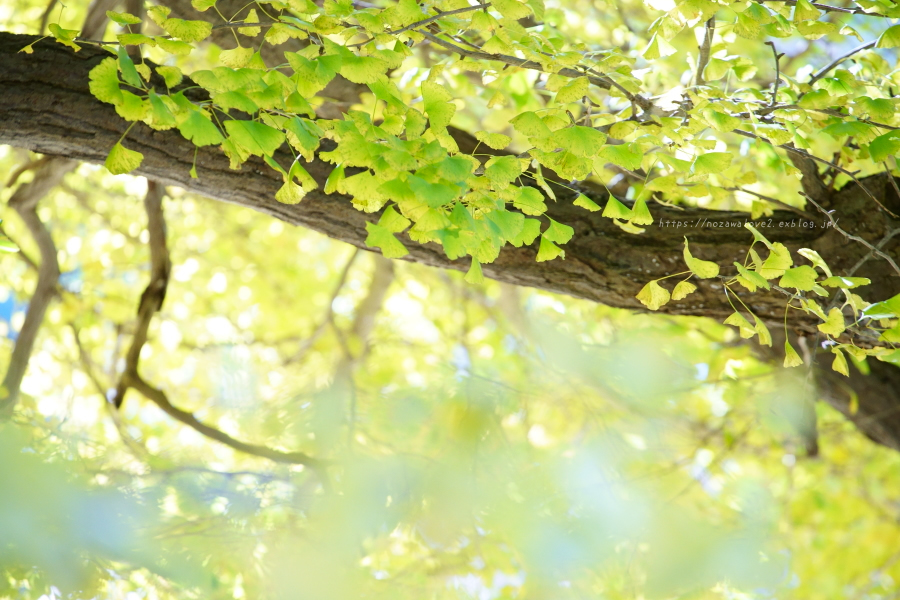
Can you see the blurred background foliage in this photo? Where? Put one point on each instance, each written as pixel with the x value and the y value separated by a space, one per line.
pixel 486 441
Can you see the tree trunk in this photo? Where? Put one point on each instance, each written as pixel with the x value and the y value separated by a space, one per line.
pixel 46 106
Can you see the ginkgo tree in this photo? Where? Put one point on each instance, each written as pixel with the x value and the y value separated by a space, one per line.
pixel 699 158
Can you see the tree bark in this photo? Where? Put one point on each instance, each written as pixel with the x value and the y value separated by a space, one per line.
pixel 46 106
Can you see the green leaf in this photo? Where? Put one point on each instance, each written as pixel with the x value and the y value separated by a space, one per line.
pixel 122 160
pixel 132 108
pixel 187 31
pixel 703 269
pixel 816 99
pixel 581 141
pixel 200 130
pixel 887 309
pixel 885 145
pixel 126 65
pixel 801 278
pixel 171 75
pixel 616 210
pixel 846 283
pixel 758 237
pixel 393 221
pixel 752 276
pixel 251 17
pixel 622 156
pixel 497 141
pixel 840 363
pixel 778 261
pixel 765 338
pixel 256 138
pixel 174 46
pixel 511 9
pixel 720 121
pixel 834 325
pixel 530 201
pixel 548 250
pixel 203 5
pixel 509 223
pixel 104 81
pixel 290 193
pixel 640 213
pixel 530 125
pixel 381 237
pixel 791 358
pixel 135 39
pixel 682 290
pixel 531 228
pixel 816 259
pixel 711 163
pixel 369 69
pixel 65 36
pixel 745 329
pixel 653 295
pixel 805 11
pixel 503 169
pixel 122 18
pixel 890 38
pixel 236 58
pixel 474 276
pixel 573 91
pixel 559 233
pixel 437 107
pixel 161 117
pixel 586 203
pixel 333 183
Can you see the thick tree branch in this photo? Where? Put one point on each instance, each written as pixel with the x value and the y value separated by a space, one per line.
pixel 47 107
pixel 47 175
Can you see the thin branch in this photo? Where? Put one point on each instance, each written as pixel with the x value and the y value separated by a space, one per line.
pixel 602 82
pixel 777 73
pixel 829 8
pixel 705 45
pixel 824 70
pixel 87 365
pixel 308 343
pixel 150 303
pixel 25 200
pixel 811 156
pixel 427 21
pixel 159 398
pixel 771 200
pixel 855 238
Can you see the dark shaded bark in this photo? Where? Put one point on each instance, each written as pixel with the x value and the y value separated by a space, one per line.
pixel 45 106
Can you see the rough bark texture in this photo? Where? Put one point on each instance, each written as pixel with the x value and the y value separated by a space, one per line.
pixel 45 106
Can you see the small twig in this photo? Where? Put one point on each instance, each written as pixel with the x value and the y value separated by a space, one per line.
pixel 771 200
pixel 824 70
pixel 45 16
pixel 777 73
pixel 705 46
pixel 855 238
pixel 601 82
pixel 829 8
pixel 308 343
